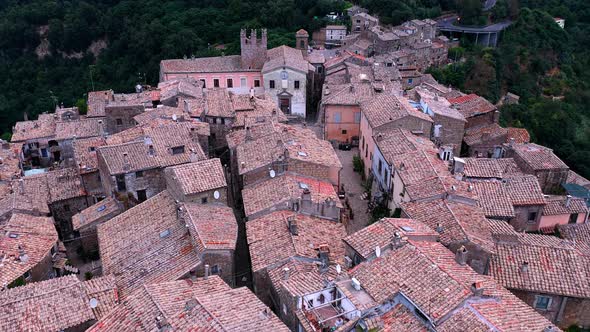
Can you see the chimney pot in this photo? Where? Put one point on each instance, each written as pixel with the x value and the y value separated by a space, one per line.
pixel 568 200
pixel 524 267
pixel 286 273
pixel 206 271
pixel 461 255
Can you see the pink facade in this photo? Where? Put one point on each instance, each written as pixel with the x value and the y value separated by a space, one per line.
pixel 366 143
pixel 241 81
pixel 341 122
pixel 560 219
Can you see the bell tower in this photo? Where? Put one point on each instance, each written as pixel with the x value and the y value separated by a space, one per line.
pixel 253 49
pixel 302 41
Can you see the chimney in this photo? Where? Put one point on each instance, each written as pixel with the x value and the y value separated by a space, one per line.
pixel 439 228
pixel 511 141
pixel 461 256
pixel 206 271
pixel 251 93
pixel 397 240
pixel 477 288
pixel 151 150
pixel 470 188
pixel 568 200
pixel 324 254
pixel 100 128
pixel 286 273
pixel 125 161
pixel 248 134
pixel 351 88
pixel 292 225
pixel 524 268
pixel 21 186
pixel 306 195
pixel 402 166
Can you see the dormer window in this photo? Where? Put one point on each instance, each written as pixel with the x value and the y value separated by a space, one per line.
pixel 178 149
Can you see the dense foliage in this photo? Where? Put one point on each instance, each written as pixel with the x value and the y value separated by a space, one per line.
pixel 139 33
pixel 548 67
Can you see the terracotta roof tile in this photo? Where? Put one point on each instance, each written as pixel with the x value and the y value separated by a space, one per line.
pixel 579 234
pixel 9 161
pixel 524 190
pixel 400 318
pixel 104 290
pixel 472 105
pixel 24 236
pixel 146 244
pixel 203 305
pixel 43 127
pixel 271 242
pixel 285 56
pixel 386 108
pixel 399 141
pixel 230 63
pixel 573 177
pixel 212 226
pixel 218 103
pixel 97 101
pixel 304 277
pixel 494 199
pixel 284 188
pixel 520 135
pixel 553 266
pixel 490 168
pixel 382 233
pixel 199 176
pixel 50 305
pixel 99 211
pixel 64 184
pixel 82 128
pixel 85 153
pixel 557 205
pixel 538 157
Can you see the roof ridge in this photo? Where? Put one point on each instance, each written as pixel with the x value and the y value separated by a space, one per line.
pixel 73 279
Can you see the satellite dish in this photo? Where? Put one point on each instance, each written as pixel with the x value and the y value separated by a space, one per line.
pixel 272 173
pixel 216 194
pixel 338 268
pixel 377 251
pixel 93 303
pixel 174 117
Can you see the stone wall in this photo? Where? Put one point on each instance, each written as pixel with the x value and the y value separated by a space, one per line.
pixel 62 212
pixel 520 221
pixel 44 269
pixel 119 118
pixel 451 132
pixel 481 120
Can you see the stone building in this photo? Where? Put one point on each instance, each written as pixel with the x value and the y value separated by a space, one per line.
pixel 488 140
pixel 449 124
pixel 66 198
pixel 200 182
pixel 193 304
pixel 476 110
pixel 87 164
pixel 283 235
pixel 461 226
pixel 60 304
pixel 292 192
pixel 563 210
pixel 37 140
pixel 546 272
pixel 86 221
pixel 541 162
pixel 27 249
pixel 152 242
pixel 136 168
pixel 528 202
pixel 383 113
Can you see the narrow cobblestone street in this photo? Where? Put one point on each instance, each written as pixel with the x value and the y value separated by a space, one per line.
pixel 353 188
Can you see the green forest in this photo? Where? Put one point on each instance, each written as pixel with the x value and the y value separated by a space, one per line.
pixel 49 52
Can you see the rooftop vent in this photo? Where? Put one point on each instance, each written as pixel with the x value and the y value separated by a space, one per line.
pixel 524 267
pixel 461 256
pixel 355 284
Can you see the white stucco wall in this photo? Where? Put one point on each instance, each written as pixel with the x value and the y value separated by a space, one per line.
pixel 298 97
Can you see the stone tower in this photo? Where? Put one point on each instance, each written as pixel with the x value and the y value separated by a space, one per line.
pixel 302 40
pixel 253 49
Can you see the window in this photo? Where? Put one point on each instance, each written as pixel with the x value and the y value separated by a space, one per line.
pixel 230 83
pixel 357 117
pixel 203 200
pixel 320 70
pixel 532 216
pixel 256 83
pixel 337 117
pixel 358 21
pixel 302 44
pixel 410 80
pixel 215 269
pixel 296 83
pixel 271 84
pixel 92 149
pixel 141 195
pixel 389 64
pixel 243 82
pixel 139 174
pixel 344 131
pixel 121 182
pixel 204 83
pixel 573 218
pixel 67 208
pixel 119 122
pixel 44 153
pixel 178 149
pixel 27 275
pixel 542 302
pixel 379 166
pixel 216 82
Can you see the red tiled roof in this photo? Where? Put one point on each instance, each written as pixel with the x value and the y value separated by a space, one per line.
pixel 99 211
pixel 385 108
pixel 400 318
pixel 557 205
pixel 472 105
pixel 538 157
pixel 198 177
pixel 35 236
pixel 212 226
pixel 200 305
pixel 490 168
pixel 524 190
pixel 270 240
pixel 85 153
pixel 494 199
